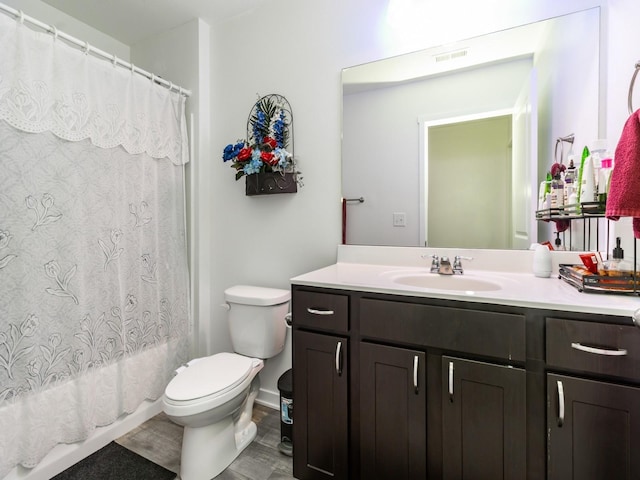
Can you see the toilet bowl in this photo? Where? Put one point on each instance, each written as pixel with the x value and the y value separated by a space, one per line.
pixel 212 397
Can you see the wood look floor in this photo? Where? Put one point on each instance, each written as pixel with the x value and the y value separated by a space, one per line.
pixel 160 440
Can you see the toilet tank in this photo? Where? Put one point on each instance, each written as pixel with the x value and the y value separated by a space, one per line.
pixel 257 319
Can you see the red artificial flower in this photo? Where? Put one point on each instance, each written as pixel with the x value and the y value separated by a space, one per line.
pixel 556 169
pixel 269 158
pixel 270 141
pixel 244 154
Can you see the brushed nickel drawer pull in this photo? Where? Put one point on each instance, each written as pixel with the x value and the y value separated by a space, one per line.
pixel 315 311
pixel 560 404
pixel 618 352
pixel 451 381
pixel 338 358
pixel 415 373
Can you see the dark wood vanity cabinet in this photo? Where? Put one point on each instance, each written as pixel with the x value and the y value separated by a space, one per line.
pixel 593 417
pixel 484 413
pixel 321 386
pixel 393 387
pixel 392 412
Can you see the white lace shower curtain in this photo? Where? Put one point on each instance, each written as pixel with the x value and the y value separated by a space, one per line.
pixel 93 270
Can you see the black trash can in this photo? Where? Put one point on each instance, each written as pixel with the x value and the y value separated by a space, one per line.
pixel 285 385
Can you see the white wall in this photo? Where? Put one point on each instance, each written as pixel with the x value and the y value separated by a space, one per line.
pixel 68 24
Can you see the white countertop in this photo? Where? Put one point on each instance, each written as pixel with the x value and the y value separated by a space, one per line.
pixel 375 269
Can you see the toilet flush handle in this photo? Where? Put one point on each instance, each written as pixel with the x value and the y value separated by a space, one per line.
pixel 226 306
pixel 288 319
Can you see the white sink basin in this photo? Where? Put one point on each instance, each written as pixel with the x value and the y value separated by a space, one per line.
pixel 447 282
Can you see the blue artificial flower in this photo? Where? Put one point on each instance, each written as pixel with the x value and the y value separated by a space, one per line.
pixel 254 165
pixel 260 126
pixel 227 154
pixel 231 151
pixel 278 129
pixel 283 157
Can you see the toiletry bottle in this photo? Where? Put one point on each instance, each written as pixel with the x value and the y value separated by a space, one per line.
pixel 542 261
pixel 587 191
pixel 557 192
pixel 603 182
pixel 617 263
pixel 585 155
pixel 558 242
pixel 570 182
pixel 598 152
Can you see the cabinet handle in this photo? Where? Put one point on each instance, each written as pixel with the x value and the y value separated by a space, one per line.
pixel 338 358
pixel 415 373
pixel 618 352
pixel 560 404
pixel 451 381
pixel 315 311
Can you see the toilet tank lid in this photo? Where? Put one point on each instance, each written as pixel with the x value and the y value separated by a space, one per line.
pixel 250 295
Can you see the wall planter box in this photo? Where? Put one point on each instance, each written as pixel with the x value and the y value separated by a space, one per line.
pixel 267 183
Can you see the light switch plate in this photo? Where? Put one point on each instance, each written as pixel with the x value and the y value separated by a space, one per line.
pixel 399 219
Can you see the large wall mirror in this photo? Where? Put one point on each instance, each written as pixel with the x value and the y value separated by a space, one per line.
pixel 447 146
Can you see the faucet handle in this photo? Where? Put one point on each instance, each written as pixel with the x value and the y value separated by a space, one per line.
pixel 457 263
pixel 435 262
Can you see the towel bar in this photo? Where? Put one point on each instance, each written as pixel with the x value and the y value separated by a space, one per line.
pixel 633 80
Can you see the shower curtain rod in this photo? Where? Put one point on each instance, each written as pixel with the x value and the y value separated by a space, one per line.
pixel 21 17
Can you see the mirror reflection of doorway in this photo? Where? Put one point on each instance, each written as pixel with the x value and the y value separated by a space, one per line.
pixel 471 162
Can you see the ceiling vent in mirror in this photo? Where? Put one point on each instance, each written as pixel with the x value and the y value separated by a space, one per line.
pixel 443 57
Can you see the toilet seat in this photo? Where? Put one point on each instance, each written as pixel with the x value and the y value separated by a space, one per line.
pixel 210 382
pixel 210 376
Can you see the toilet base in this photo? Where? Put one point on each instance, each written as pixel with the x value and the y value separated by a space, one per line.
pixel 207 451
pixel 222 446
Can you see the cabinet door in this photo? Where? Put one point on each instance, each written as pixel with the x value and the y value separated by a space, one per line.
pixel 320 396
pixel 393 437
pixel 483 421
pixel 593 428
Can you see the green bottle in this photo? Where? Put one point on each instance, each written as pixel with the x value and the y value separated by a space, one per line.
pixel 585 154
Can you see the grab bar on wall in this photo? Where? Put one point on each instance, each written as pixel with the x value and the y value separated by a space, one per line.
pixel 633 80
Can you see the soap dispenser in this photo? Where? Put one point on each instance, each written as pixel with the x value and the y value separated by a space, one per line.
pixel 617 256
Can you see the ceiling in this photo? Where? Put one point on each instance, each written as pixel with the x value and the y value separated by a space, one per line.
pixel 131 21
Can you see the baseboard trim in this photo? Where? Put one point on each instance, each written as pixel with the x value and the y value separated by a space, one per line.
pixel 269 398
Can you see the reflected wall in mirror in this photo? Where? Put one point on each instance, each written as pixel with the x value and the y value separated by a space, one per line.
pixel 538 81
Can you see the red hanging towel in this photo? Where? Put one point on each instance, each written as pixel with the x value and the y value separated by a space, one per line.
pixel 623 199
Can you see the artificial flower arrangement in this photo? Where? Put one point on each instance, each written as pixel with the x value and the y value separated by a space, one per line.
pixel 265 150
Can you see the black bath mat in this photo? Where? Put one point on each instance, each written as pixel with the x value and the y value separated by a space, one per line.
pixel 115 462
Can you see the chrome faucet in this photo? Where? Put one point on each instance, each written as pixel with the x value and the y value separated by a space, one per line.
pixel 445 266
pixel 442 265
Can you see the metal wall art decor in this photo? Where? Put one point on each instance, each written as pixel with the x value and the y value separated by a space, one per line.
pixel 265 157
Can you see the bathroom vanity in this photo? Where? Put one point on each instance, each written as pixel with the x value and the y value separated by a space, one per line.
pixel 526 379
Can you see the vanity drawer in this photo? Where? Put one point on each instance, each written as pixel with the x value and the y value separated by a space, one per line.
pixel 598 348
pixel 322 311
pixel 499 335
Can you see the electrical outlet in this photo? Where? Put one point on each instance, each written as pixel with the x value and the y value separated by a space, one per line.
pixel 399 219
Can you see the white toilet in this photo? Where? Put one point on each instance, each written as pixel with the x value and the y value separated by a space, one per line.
pixel 213 396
